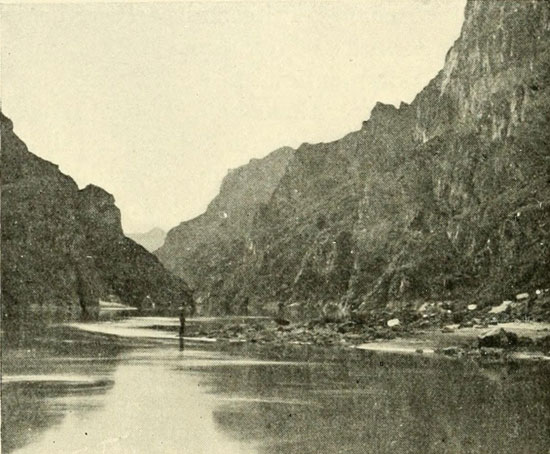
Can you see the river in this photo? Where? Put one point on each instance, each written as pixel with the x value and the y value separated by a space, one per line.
pixel 71 390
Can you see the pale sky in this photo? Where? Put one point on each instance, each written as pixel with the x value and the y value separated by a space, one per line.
pixel 154 102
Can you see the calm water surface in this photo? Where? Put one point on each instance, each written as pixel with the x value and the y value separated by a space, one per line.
pixel 77 392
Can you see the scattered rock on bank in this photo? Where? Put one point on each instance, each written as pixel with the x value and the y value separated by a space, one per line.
pixel 393 322
pixel 522 296
pixel 451 351
pixel 501 307
pixel 498 338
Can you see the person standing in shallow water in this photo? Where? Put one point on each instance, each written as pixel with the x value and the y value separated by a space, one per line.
pixel 182 326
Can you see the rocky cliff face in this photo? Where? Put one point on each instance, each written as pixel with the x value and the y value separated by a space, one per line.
pixel 208 248
pixel 63 248
pixel 445 198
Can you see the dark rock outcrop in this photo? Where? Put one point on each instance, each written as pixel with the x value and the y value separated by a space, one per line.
pixel 447 198
pixel 63 248
pixel 498 338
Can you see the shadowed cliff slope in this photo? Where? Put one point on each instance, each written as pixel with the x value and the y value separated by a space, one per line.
pixel 63 248
pixel 445 198
pixel 211 246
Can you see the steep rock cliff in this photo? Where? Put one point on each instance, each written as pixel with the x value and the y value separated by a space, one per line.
pixel 209 247
pixel 445 198
pixel 63 248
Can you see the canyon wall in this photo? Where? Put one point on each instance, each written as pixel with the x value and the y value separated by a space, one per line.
pixel 447 198
pixel 63 249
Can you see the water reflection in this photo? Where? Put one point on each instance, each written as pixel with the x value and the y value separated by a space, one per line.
pixel 97 394
pixel 48 373
pixel 152 407
pixel 359 404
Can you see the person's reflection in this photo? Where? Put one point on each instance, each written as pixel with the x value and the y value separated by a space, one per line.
pixel 182 327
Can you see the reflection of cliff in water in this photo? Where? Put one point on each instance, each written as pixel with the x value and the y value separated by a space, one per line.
pixel 48 371
pixel 378 403
pixel 25 326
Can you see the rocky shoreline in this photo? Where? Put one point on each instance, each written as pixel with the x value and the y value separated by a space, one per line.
pixel 510 329
pixel 494 341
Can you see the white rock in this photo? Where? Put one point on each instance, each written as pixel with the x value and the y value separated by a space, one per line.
pixel 522 296
pixel 393 322
pixel 472 307
pixel 500 308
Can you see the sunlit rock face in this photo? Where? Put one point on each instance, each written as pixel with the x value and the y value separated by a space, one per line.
pixel 445 198
pixel 490 76
pixel 63 248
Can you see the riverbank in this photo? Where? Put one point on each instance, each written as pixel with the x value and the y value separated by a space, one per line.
pixel 493 342
pixel 498 340
pixel 511 329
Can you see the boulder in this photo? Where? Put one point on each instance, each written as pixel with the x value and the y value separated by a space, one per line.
pixel 522 296
pixel 497 338
pixel 472 307
pixel 500 308
pixel 450 351
pixel 393 322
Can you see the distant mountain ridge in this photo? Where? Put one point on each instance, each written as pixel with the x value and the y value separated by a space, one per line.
pixel 63 248
pixel 151 240
pixel 445 198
